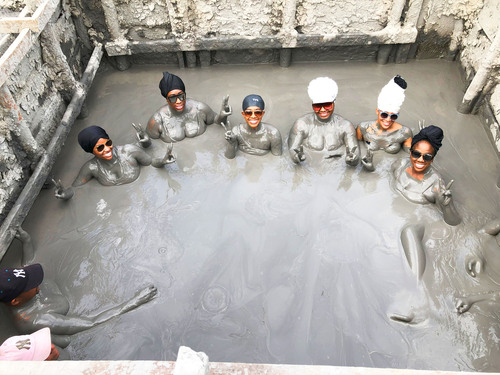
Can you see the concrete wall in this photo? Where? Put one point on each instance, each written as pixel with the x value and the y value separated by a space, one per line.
pixel 192 33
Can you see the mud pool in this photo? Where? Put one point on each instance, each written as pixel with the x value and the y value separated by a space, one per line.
pixel 258 260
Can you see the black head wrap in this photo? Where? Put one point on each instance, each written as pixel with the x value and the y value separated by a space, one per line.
pixel 400 82
pixel 88 137
pixel 253 100
pixel 170 82
pixel 432 134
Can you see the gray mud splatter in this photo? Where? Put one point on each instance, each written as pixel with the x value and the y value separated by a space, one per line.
pixel 258 260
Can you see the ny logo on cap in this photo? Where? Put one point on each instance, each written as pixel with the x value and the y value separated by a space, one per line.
pixel 23 344
pixel 19 273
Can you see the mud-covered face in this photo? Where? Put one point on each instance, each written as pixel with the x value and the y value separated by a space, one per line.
pixel 386 119
pixel 323 110
pixel 253 116
pixel 176 99
pixel 421 156
pixel 103 149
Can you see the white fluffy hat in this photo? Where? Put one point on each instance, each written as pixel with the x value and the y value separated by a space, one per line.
pixel 392 95
pixel 322 90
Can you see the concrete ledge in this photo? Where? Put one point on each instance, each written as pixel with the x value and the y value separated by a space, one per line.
pixel 216 368
pixel 389 35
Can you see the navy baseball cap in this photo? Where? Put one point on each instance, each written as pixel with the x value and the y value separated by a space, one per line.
pixel 14 281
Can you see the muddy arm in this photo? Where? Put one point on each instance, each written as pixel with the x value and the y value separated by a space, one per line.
pixel 445 203
pixel 295 147
pixel 84 176
pixel 411 239
pixel 492 228
pixel 141 156
pixel 65 325
pixel 28 248
pixel 463 304
pixel 224 113
pixel 153 129
pixel 351 146
pixel 232 144
pixel 276 144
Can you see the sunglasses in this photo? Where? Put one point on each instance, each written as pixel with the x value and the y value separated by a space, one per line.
pixel 417 154
pixel 173 98
pixel 393 116
pixel 327 106
pixel 100 148
pixel 257 113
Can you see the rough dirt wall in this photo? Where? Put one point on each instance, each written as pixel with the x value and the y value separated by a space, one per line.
pixel 37 91
pixel 472 25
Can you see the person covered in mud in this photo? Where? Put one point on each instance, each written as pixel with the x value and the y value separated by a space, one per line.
pixel 111 165
pixel 36 305
pixel 182 117
pixel 323 130
pixel 417 180
pixel 385 133
pixel 254 136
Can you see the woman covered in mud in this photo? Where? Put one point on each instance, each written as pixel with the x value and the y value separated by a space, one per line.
pixel 323 129
pixel 417 180
pixel 254 136
pixel 182 117
pixel 385 133
pixel 111 165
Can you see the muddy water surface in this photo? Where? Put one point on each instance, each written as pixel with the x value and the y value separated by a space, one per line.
pixel 259 260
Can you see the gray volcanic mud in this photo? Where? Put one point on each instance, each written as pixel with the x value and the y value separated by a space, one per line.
pixel 258 260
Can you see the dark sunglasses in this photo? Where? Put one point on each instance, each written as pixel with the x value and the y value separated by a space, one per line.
pixel 100 148
pixel 257 113
pixel 417 154
pixel 394 116
pixel 173 98
pixel 327 106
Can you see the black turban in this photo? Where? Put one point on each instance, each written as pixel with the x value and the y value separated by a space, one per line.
pixel 400 82
pixel 88 137
pixel 432 134
pixel 170 82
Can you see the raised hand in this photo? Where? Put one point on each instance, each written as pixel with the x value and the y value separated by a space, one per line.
pixel 141 135
pixel 367 160
pixel 60 192
pixel 299 154
pixel 351 158
pixel 225 110
pixel 22 235
pixel 168 158
pixel 463 305
pixel 444 196
pixel 145 295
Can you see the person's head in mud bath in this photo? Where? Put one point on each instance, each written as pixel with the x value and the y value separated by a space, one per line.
pixel 95 140
pixel 173 90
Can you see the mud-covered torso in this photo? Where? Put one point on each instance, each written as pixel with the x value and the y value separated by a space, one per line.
pixel 177 126
pixel 417 191
pixel 330 135
pixel 122 169
pixel 255 142
pixel 380 139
